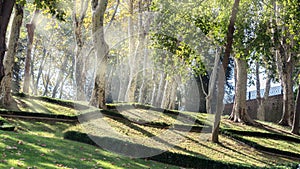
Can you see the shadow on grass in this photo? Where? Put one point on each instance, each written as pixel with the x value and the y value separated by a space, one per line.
pixel 121 118
pixel 128 148
pixel 27 151
pixel 235 135
pixel 171 113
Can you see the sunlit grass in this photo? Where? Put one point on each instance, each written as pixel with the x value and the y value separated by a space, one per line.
pixel 27 150
pixel 39 106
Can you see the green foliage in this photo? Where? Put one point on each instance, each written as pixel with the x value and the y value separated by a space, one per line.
pixel 51 7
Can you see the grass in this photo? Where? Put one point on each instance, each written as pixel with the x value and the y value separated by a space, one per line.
pixel 40 106
pixel 41 143
pixel 32 151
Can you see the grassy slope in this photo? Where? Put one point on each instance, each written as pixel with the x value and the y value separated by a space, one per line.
pixel 37 149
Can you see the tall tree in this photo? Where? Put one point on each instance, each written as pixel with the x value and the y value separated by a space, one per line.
pixel 30 35
pixel 132 56
pixel 78 18
pixel 225 62
pixel 6 83
pixel 6 8
pixel 295 127
pixel 101 52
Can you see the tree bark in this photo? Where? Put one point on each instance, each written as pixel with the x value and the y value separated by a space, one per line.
pixel 288 95
pixel 30 35
pixel 159 95
pixel 80 77
pixel 60 76
pixel 6 83
pixel 132 56
pixel 153 96
pixel 101 51
pixel 40 71
pixel 262 104
pixel 6 8
pixel 295 127
pixel 240 109
pixel 225 61
pixel 285 66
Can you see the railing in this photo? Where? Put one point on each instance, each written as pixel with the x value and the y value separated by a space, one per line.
pixel 277 90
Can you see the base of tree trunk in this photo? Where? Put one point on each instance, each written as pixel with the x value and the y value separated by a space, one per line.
pixel 283 122
pixel 12 105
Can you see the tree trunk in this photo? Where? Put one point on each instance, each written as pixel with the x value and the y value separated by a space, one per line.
pixel 165 96
pixel 30 35
pixel 153 96
pixel 60 76
pixel 240 109
pixel 219 104
pixel 288 95
pixel 47 77
pixel 262 104
pixel 295 127
pixel 285 66
pixel 132 56
pixel 6 83
pixel 258 97
pixel 159 95
pixel 40 71
pixel 225 60
pixel 80 77
pixel 101 51
pixel 212 96
pixel 6 8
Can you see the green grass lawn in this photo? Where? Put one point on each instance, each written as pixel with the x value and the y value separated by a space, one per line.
pixel 40 144
pixel 20 150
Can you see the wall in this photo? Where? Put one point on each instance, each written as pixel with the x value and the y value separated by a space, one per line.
pixel 273 109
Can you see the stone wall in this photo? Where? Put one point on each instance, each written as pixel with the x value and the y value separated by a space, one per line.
pixel 273 109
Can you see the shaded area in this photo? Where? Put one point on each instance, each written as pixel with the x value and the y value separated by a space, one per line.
pixel 165 157
pixel 259 146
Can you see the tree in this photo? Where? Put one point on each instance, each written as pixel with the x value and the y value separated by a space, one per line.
pixel 6 8
pixel 5 86
pixel 101 52
pixel 30 35
pixel 225 62
pixel 285 29
pixel 295 127
pixel 80 77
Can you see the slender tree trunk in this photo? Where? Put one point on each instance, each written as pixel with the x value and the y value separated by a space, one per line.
pixel 123 82
pixel 47 78
pixel 60 76
pixel 285 66
pixel 172 103
pixel 258 97
pixel 80 77
pixel 225 60
pixel 153 96
pixel 219 104
pixel 212 95
pixel 262 104
pixel 30 35
pixel 6 83
pixel 159 95
pixel 6 8
pixel 295 127
pixel 40 71
pixel 165 96
pixel 130 92
pixel 101 51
